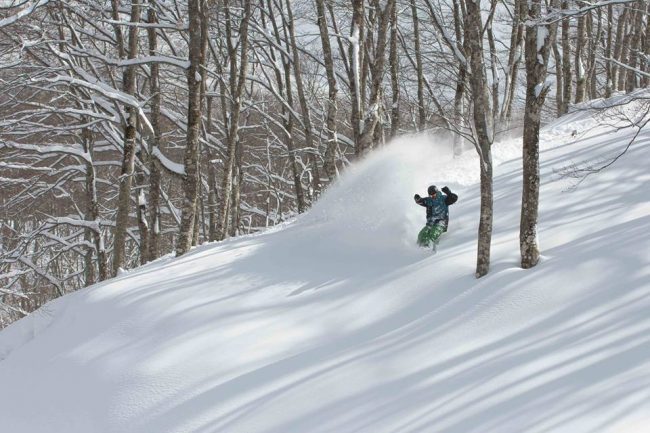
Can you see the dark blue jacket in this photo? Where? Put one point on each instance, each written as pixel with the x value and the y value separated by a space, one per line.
pixel 437 209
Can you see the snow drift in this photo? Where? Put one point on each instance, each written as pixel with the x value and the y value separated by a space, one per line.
pixel 336 322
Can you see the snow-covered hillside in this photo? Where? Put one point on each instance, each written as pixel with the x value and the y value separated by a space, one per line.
pixel 337 322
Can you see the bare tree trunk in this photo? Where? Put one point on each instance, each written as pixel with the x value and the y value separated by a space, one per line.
pixel 635 46
pixel 537 55
pixel 625 48
pixel 593 48
pixel 130 132
pixel 419 70
pixel 236 90
pixel 567 77
pixel 559 80
pixel 461 82
pixel 329 165
pixel 357 41
pixel 314 155
pixel 618 47
pixel 608 51
pixel 493 65
pixel 645 66
pixel 143 225
pixel 154 142
pixel 482 116
pixel 581 80
pixel 92 213
pixel 393 60
pixel 198 30
pixel 371 119
pixel 514 60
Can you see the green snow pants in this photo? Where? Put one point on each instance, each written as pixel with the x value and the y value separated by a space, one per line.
pixel 430 235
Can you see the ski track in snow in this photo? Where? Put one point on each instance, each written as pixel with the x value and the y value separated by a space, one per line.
pixel 336 322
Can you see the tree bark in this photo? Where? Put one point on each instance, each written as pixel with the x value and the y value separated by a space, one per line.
pixel 419 69
pixel 329 165
pixel 312 148
pixel 393 60
pixel 536 89
pixel 482 116
pixel 154 142
pixel 371 119
pixel 567 77
pixel 198 30
pixel 237 79
pixel 581 77
pixel 128 160
pixel 632 81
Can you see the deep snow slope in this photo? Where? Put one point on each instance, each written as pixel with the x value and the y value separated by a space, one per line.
pixel 337 323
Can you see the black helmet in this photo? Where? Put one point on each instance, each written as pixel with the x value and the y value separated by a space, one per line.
pixel 432 190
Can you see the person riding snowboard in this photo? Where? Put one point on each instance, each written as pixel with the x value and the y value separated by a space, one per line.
pixel 437 204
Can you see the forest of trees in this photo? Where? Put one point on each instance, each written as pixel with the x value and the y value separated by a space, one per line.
pixel 130 129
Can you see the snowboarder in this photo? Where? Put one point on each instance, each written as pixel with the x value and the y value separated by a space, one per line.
pixel 437 204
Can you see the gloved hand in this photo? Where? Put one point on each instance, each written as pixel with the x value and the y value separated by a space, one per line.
pixel 446 190
pixel 417 197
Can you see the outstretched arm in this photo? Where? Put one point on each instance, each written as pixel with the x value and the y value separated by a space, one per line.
pixel 419 200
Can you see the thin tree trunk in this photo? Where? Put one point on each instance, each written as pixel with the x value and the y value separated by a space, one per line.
pixel 461 82
pixel 154 142
pixel 372 116
pixel 236 90
pixel 329 165
pixel 632 81
pixel 514 60
pixel 567 77
pixel 312 148
pixel 419 69
pixel 357 41
pixel 618 46
pixel 581 78
pixel 128 160
pixel 625 48
pixel 393 60
pixel 608 51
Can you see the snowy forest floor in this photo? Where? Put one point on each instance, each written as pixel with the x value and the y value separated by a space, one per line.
pixel 336 321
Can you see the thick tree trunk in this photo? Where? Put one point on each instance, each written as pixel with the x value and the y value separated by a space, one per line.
pixel 198 30
pixel 537 55
pixel 482 116
pixel 128 160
